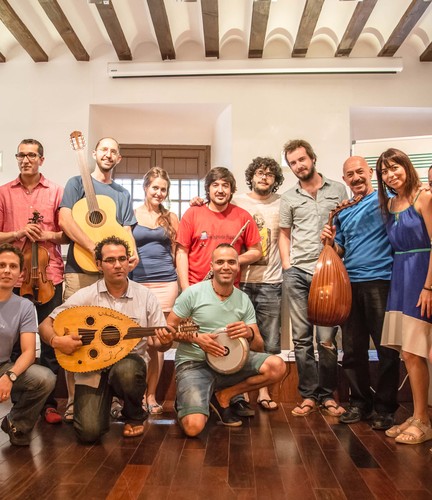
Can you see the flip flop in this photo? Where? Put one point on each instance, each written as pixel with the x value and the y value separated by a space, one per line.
pixel 266 404
pixel 331 408
pixel 130 430
pixel 310 409
pixel 406 437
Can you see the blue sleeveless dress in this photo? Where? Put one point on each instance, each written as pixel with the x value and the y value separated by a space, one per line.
pixel 404 328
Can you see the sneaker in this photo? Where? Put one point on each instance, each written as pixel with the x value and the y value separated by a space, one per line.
pixel 242 408
pixel 52 416
pixel 224 415
pixel 354 414
pixel 16 437
pixel 383 421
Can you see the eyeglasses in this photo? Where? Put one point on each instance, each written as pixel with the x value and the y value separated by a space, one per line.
pixel 430 184
pixel 30 156
pixel 113 260
pixel 106 151
pixel 264 175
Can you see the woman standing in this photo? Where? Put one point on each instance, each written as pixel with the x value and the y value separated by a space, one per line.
pixel 408 320
pixel 155 234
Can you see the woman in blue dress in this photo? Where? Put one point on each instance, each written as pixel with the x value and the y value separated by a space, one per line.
pixel 408 320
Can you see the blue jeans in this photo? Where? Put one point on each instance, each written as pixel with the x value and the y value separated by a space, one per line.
pixel 126 380
pixel 365 321
pixel 266 299
pixel 316 381
pixel 28 395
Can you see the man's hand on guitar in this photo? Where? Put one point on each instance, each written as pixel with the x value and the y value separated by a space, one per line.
pixel 67 344
pixel 207 342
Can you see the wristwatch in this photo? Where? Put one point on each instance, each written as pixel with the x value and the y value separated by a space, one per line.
pixel 12 376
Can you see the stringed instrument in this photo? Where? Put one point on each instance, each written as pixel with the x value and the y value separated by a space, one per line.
pixel 107 336
pixel 36 286
pixel 95 214
pixel 330 296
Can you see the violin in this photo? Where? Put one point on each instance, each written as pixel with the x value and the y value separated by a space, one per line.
pixel 36 286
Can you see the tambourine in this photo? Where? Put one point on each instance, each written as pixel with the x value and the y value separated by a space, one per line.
pixel 236 353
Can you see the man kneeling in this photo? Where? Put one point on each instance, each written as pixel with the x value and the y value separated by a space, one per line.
pixel 126 379
pixel 215 304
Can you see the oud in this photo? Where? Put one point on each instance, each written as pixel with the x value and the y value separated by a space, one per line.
pixel 94 214
pixel 107 336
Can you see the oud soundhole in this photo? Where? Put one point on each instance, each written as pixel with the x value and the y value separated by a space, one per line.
pixel 95 218
pixel 110 336
pixel 90 321
pixel 93 353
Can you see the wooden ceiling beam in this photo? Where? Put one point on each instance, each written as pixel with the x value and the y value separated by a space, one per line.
pixel 19 30
pixel 114 30
pixel 56 16
pixel 260 15
pixel 2 58
pixel 161 26
pixel 210 17
pixel 306 29
pixel 427 54
pixel 407 22
pixel 357 22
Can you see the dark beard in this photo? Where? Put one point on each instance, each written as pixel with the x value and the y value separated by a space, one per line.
pixel 309 175
pixel 261 192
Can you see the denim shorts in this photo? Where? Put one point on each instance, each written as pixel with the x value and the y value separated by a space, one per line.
pixel 196 382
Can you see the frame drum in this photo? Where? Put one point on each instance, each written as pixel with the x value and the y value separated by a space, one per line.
pixel 236 353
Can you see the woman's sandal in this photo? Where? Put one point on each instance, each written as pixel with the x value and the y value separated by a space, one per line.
pixel 399 428
pixel 130 430
pixel 155 409
pixel 406 437
pixel 68 416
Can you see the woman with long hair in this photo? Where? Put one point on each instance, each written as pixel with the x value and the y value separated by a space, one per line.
pixel 408 320
pixel 155 235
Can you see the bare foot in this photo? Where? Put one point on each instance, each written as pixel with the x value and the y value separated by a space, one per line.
pixel 130 430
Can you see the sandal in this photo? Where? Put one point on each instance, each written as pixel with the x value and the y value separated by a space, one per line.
pixel 268 404
pixel 68 416
pixel 310 408
pixel 407 437
pixel 130 430
pixel 331 408
pixel 399 428
pixel 155 409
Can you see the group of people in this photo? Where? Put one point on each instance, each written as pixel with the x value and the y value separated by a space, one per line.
pixel 231 264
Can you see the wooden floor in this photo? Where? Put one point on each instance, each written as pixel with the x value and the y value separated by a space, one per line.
pixel 273 455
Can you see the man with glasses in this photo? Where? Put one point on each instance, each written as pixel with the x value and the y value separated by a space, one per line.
pixel 262 280
pixel 31 192
pixel 126 379
pixel 107 156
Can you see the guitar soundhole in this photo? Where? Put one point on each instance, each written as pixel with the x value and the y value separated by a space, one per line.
pixel 95 218
pixel 93 353
pixel 90 321
pixel 110 336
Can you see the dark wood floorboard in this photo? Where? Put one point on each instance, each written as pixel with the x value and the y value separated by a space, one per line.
pixel 272 456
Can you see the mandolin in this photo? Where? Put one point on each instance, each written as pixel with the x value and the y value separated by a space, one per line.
pixel 107 336
pixel 95 214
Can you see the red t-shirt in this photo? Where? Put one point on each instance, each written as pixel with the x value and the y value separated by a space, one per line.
pixel 201 230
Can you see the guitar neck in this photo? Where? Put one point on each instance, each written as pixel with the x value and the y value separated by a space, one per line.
pixel 87 181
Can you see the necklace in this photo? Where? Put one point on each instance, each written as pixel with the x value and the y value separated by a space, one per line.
pixel 221 294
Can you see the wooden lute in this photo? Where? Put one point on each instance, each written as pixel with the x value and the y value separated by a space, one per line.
pixel 107 336
pixel 330 296
pixel 95 214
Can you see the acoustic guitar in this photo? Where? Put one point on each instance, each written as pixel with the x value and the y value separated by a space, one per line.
pixel 107 336
pixel 94 214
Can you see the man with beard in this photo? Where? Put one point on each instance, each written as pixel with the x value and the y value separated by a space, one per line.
pixel 303 212
pixel 107 156
pixel 360 237
pixel 262 280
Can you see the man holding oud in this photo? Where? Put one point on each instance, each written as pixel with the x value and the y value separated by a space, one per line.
pixel 214 304
pixel 125 379
pixel 29 220
pixel 74 222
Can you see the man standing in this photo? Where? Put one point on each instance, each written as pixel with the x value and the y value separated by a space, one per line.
pixel 214 304
pixel 360 237
pixel 107 156
pixel 126 379
pixel 303 212
pixel 262 280
pixel 31 192
pixel 26 384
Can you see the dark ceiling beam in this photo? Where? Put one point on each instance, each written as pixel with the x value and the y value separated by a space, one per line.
pixel 427 54
pixel 210 17
pixel 357 22
pixel 260 15
pixel 56 16
pixel 2 58
pixel 161 26
pixel 19 30
pixel 306 29
pixel 114 30
pixel 407 22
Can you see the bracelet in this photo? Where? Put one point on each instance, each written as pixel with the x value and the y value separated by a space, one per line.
pixel 428 288
pixel 253 334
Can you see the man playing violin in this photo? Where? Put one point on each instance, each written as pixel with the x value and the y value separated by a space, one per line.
pixel 126 379
pixel 19 199
pixel 213 304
